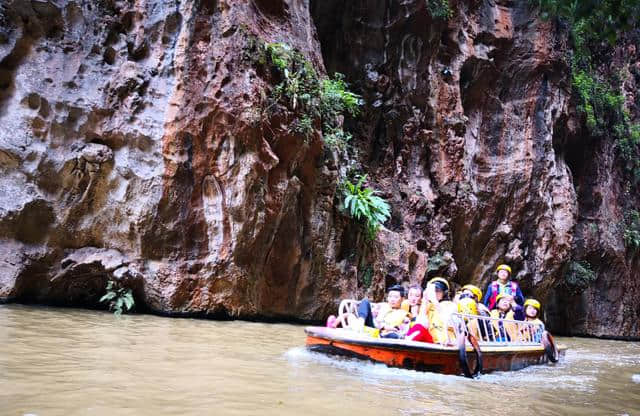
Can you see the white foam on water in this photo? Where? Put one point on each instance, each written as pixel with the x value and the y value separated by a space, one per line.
pixel 542 376
pixel 635 378
pixel 366 369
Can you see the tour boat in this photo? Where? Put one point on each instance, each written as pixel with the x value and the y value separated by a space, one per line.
pixel 466 355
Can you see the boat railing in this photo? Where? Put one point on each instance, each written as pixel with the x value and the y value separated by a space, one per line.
pixel 495 331
pixel 487 330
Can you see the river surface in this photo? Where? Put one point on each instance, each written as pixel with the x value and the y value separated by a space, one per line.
pixel 77 362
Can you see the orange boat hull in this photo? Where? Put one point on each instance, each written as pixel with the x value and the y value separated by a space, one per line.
pixel 421 356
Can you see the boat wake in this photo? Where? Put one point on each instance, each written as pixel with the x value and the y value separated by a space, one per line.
pixel 301 356
pixel 374 372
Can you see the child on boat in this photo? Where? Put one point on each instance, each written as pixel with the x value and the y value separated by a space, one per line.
pixel 503 284
pixel 531 312
pixel 467 305
pixel 476 294
pixel 434 313
pixel 506 308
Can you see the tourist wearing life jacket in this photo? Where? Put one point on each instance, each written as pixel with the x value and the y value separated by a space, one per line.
pixel 436 309
pixel 391 319
pixel 531 312
pixel 502 284
pixel 412 303
pixel 417 331
pixel 476 294
pixel 506 308
pixel 467 305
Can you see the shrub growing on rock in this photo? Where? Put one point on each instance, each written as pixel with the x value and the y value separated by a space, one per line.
pixel 306 94
pixel 118 298
pixel 362 204
pixel 594 23
pixel 579 275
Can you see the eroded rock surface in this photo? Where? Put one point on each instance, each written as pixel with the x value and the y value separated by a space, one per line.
pixel 133 147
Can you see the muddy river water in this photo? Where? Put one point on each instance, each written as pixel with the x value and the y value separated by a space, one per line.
pixel 77 362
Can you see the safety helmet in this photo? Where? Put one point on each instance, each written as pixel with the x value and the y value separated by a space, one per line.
pixel 475 290
pixel 532 302
pixel 467 306
pixel 441 283
pixel 503 295
pixel 504 267
pixel 397 288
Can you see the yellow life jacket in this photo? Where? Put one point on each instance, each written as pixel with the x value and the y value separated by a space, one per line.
pixel 509 328
pixel 391 317
pixel 372 332
pixel 440 331
pixel 530 334
pixel 407 307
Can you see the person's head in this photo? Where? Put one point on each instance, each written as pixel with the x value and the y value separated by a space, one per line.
pixel 395 294
pixel 468 306
pixel 504 273
pixel 473 291
pixel 442 287
pixel 531 308
pixel 414 295
pixel 503 302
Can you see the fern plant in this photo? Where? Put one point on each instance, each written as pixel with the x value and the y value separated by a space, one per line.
pixel 118 298
pixel 362 204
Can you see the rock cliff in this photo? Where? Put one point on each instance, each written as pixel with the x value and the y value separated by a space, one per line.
pixel 134 146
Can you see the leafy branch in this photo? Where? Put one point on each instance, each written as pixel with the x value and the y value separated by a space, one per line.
pixel 364 205
pixel 118 298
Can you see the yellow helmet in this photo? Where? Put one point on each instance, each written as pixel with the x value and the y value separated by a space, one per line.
pixel 440 279
pixel 532 302
pixel 468 306
pixel 475 290
pixel 503 295
pixel 504 267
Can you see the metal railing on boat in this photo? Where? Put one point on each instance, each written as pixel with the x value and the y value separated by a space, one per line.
pixel 495 331
pixel 487 330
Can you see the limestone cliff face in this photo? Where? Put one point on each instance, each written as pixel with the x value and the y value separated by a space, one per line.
pixel 133 147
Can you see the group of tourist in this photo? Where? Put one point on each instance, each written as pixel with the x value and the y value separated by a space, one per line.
pixel 425 315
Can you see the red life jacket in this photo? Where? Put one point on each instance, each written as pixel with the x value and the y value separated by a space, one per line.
pixel 495 291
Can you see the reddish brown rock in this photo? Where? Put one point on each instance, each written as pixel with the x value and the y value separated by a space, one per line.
pixel 134 147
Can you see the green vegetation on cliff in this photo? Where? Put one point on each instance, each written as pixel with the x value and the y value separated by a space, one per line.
pixel 439 9
pixel 312 98
pixel 579 275
pixel 309 96
pixel 118 298
pixel 596 25
pixel 364 205
pixel 632 230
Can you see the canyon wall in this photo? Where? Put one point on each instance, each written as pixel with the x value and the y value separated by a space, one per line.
pixel 134 147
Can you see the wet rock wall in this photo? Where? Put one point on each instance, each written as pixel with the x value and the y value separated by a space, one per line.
pixel 133 146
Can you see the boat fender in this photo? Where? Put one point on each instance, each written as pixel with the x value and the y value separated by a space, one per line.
pixel 462 355
pixel 550 348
